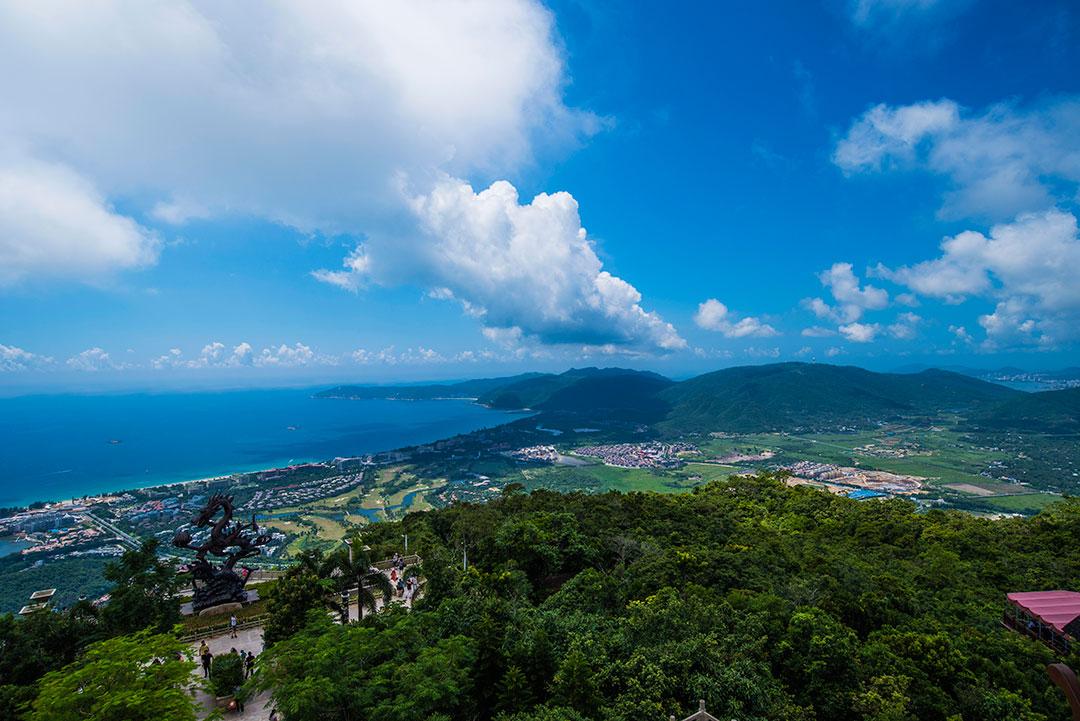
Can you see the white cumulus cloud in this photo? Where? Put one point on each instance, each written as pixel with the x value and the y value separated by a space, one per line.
pixel 55 223
pixel 283 355
pixel 852 298
pixel 13 358
pixel 212 355
pixel 1001 162
pixel 715 316
pixel 1029 267
pixel 525 270
pixel 304 113
pixel 860 332
pixel 905 327
pixel 92 360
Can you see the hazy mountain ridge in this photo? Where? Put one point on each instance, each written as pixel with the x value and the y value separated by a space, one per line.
pixel 464 389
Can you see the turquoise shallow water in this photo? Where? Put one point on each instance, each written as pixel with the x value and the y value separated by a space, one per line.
pixel 10 545
pixel 63 446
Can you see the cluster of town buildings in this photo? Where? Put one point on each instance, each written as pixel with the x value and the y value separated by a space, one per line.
pixel 535 454
pixel 295 494
pixel 849 481
pixel 640 455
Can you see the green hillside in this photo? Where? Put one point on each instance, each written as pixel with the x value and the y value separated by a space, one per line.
pixel 793 396
pixel 748 399
pixel 1044 412
pixel 588 391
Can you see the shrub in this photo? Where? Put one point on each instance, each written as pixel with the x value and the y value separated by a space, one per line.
pixel 226 673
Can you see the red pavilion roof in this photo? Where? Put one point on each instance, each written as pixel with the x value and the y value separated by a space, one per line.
pixel 1054 608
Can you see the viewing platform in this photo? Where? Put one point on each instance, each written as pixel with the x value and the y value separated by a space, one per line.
pixel 1047 616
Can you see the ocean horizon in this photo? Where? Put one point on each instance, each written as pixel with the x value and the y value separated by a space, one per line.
pixel 56 447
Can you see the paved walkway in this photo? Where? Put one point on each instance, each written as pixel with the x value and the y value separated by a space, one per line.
pixel 251 639
pixel 248 639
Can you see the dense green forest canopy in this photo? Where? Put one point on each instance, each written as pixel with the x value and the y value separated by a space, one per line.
pixel 768 602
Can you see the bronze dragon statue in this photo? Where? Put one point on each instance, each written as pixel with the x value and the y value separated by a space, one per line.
pixel 231 541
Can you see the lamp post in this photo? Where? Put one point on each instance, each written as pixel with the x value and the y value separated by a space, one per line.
pixel 406 537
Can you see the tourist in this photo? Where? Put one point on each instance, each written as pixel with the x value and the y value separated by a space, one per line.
pixel 232 625
pixel 249 664
pixel 393 575
pixel 207 657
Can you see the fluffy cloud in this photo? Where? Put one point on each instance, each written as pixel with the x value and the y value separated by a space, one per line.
pixel 55 223
pixel 13 358
pixel 300 112
pixel 852 299
pixel 409 356
pixel 961 334
pixel 341 116
pixel 755 352
pixel 213 355
pixel 93 359
pixel 884 134
pixel 714 315
pixel 860 332
pixel 1002 162
pixel 290 356
pixel 526 270
pixel 816 331
pixel 906 326
pixel 1029 267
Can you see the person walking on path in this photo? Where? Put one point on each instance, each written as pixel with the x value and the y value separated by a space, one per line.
pixel 232 625
pixel 249 664
pixel 206 657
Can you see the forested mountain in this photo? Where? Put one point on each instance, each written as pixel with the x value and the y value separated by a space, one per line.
pixel 789 396
pixel 780 396
pixel 1044 412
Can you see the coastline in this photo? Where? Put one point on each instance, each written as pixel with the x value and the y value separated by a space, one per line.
pixel 107 488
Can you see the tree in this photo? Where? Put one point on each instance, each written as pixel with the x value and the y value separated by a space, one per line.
pixel 514 691
pixel 226 673
pixel 129 678
pixel 290 601
pixel 353 567
pixel 32 646
pixel 575 684
pixel 144 595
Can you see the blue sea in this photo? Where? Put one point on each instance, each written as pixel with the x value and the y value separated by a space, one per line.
pixel 55 447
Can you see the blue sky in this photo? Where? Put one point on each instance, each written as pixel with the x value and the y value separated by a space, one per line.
pixel 193 196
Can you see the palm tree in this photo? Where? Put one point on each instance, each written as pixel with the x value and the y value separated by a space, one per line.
pixel 353 566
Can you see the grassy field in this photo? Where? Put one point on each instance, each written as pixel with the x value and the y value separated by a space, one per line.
pixel 1022 503
pixel 940 455
pixel 326 522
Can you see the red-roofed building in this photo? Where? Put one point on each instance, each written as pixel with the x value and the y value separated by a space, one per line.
pixel 1049 616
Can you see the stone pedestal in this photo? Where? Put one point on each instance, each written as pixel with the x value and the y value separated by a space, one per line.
pixel 221 608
